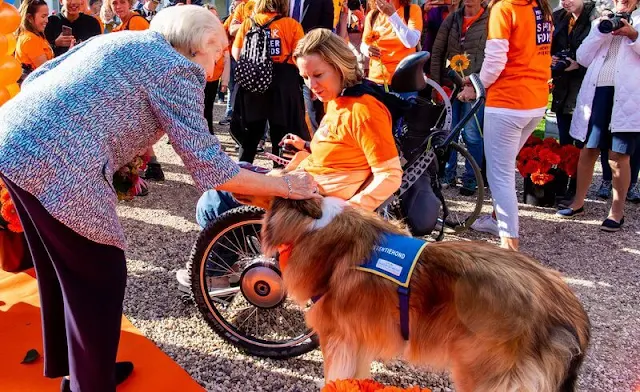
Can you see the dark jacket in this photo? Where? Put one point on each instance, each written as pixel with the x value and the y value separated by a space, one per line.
pixel 317 14
pixel 448 43
pixel 567 84
pixel 83 28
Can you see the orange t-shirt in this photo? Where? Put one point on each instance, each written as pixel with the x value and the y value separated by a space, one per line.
pixel 30 46
pixel 243 12
pixel 392 51
pixel 284 36
pixel 354 135
pixel 467 21
pixel 523 82
pixel 136 22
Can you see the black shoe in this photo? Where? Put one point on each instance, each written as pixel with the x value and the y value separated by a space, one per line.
pixel 154 172
pixel 570 212
pixel 611 226
pixel 123 371
pixel 225 121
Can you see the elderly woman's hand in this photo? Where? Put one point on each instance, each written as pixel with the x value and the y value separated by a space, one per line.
pixel 300 185
pixel 626 30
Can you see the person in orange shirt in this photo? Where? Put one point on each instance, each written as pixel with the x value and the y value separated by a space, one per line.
pixel 515 72
pixel 391 32
pixel 93 9
pixel 282 104
pixel 130 20
pixel 32 47
pixel 352 155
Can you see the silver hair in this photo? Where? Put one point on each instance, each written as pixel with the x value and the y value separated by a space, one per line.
pixel 187 28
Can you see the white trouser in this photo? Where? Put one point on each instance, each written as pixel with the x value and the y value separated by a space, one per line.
pixel 504 136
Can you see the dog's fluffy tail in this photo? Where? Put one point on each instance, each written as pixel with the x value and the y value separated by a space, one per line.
pixel 581 341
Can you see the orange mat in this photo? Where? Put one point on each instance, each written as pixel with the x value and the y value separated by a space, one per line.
pixel 20 331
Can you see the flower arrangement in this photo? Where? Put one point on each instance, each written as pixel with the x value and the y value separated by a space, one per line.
pixel 366 386
pixel 8 215
pixel 127 181
pixel 539 158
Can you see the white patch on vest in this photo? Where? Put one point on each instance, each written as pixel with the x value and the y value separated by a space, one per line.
pixel 389 267
pixel 331 207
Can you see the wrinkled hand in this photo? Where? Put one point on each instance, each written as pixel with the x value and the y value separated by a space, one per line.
pixel 385 7
pixel 303 186
pixel 374 52
pixel 626 30
pixel 293 140
pixel 468 94
pixel 573 65
pixel 554 61
pixel 64 41
pixel 223 89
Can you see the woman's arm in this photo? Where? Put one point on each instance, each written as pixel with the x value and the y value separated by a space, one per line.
pixel 178 104
pixel 495 52
pixel 409 34
pixel 387 177
pixel 227 70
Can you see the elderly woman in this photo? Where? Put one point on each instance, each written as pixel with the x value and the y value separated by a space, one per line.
pixel 58 170
pixel 352 155
pixel 606 115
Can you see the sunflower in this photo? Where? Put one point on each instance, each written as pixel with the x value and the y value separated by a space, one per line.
pixel 460 62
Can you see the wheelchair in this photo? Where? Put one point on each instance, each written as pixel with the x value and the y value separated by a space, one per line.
pixel 254 313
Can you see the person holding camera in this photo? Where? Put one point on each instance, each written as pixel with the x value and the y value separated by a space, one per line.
pixel 607 115
pixel 572 24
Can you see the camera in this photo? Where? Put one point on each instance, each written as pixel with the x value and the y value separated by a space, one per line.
pixel 563 60
pixel 614 22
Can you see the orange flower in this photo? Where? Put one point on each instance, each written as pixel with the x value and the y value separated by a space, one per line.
pixel 539 178
pixel 460 62
pixel 4 196
pixel 372 38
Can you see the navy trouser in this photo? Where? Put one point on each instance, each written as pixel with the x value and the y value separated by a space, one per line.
pixel 81 286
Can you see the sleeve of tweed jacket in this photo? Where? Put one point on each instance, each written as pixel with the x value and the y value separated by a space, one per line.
pixel 178 102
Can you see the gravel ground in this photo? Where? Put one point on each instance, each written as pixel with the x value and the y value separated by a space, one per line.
pixel 602 268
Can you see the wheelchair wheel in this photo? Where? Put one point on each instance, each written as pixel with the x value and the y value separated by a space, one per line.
pixel 464 209
pixel 253 312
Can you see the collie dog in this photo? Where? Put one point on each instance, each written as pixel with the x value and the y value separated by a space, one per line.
pixel 496 319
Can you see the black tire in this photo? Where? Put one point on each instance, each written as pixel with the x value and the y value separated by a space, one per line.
pixel 212 311
pixel 460 219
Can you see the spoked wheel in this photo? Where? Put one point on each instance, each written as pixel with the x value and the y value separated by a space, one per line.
pixel 463 201
pixel 240 292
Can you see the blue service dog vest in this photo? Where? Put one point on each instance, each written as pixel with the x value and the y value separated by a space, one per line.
pixel 395 259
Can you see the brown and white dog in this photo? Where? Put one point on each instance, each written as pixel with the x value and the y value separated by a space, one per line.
pixel 495 318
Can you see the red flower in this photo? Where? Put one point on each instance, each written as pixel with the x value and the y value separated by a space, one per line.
pixel 533 141
pixel 366 386
pixel 570 155
pixel 548 156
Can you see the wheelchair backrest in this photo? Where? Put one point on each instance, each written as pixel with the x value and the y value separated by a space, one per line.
pixel 409 75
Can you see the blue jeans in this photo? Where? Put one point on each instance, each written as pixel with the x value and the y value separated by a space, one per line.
pixel 230 93
pixel 472 136
pixel 212 204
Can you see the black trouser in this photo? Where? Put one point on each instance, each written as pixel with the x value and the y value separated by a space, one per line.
pixel 81 286
pixel 210 92
pixel 254 133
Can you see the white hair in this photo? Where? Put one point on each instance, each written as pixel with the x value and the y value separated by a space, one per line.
pixel 187 28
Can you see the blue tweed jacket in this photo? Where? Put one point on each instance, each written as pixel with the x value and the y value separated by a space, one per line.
pixel 83 115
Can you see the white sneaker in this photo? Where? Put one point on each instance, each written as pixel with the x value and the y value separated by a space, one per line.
pixel 486 224
pixel 213 283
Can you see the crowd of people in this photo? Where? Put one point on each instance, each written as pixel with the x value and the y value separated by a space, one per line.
pixel 311 76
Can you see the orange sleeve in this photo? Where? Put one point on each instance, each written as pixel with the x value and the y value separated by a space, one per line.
pixel 227 23
pixel 372 131
pixel 500 22
pixel 29 49
pixel 415 17
pixel 239 40
pixel 137 23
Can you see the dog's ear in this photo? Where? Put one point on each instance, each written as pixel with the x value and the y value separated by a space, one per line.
pixel 311 207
